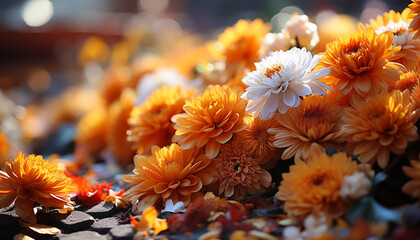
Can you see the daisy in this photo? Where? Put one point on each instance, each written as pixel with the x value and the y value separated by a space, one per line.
pixel 280 80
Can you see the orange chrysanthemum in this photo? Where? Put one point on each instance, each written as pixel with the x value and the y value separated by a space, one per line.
pixel 413 187
pixel 359 63
pixel 415 96
pixel 151 121
pixel 242 42
pixel 210 119
pixel 414 14
pixel 382 124
pixel 4 149
pixel 91 130
pixel 406 48
pixel 170 173
pixel 115 80
pixel 408 80
pixel 316 122
pixel 239 172
pixel 256 140
pixel 30 180
pixel 313 187
pixel 116 139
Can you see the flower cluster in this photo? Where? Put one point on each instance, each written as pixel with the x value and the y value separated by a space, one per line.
pixel 301 118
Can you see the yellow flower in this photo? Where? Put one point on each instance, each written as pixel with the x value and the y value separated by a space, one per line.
pixel 4 149
pixel 151 121
pixel 116 136
pixel 382 124
pixel 406 48
pixel 115 79
pixel 414 14
pixel 256 140
pixel 91 130
pixel 407 80
pixel 210 119
pixel 415 96
pixel 239 172
pixel 314 187
pixel 170 173
pixel 413 187
pixel 315 123
pixel 242 42
pixel 30 180
pixel 359 63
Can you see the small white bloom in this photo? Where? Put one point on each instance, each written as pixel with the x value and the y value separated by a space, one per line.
pixel 314 226
pixel 274 42
pixel 291 233
pixel 280 80
pixel 161 77
pixel 355 186
pixel 299 27
pixel 171 208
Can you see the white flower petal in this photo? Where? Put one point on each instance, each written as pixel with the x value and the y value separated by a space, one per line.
pixel 289 97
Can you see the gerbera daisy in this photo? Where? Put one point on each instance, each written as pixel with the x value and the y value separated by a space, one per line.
pixel 169 173
pixel 116 136
pixel 239 172
pixel 210 119
pixel 151 121
pixel 241 42
pixel 32 179
pixel 256 140
pixel 360 63
pixel 413 187
pixel 382 124
pixel 280 80
pixel 315 123
pixel 314 187
pixel 406 49
pixel 414 14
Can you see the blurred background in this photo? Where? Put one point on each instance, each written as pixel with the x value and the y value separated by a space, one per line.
pixel 40 39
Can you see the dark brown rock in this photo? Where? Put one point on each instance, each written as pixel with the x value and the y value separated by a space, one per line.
pixel 100 210
pixel 67 223
pixel 122 232
pixel 103 226
pixel 88 235
pixel 9 226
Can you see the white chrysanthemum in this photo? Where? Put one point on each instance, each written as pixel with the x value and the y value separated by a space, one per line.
pixel 274 42
pixel 403 36
pixel 280 80
pixel 298 27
